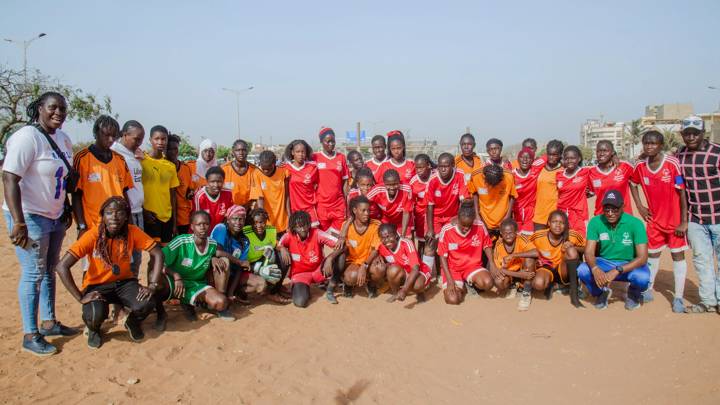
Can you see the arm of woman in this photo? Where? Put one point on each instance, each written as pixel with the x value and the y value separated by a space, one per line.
pixel 13 198
pixel 79 212
pixel 63 271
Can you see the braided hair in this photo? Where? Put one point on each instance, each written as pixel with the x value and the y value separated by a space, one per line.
pixel 105 122
pixel 104 241
pixel 33 109
pixel 493 174
pixel 298 219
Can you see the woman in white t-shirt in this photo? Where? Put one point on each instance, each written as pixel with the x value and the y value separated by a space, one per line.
pixel 34 183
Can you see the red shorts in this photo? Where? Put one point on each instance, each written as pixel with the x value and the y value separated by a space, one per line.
pixel 439 222
pixel 408 231
pixel 577 222
pixel 524 218
pixel 461 276
pixel 331 217
pixel 659 239
pixel 312 211
pixel 308 277
pixel 419 224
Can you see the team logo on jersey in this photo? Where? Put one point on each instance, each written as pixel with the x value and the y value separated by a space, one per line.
pixel 313 257
pixel 307 179
pixel 483 191
pixel 475 241
pixel 626 239
pixel 408 173
pixel 577 179
pixel 618 175
pixel 666 177
pixel 597 183
pixel 229 185
pixel 338 166
pixel 560 184
pixel 321 165
pixel 389 259
pixel 186 262
pixel 405 260
pixel 604 236
pixel 94 178
pixel 455 189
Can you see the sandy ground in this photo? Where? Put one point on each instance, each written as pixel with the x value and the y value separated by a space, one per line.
pixel 368 351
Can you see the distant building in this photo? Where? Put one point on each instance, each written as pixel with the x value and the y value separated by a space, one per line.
pixel 594 131
pixel 667 112
pixel 712 125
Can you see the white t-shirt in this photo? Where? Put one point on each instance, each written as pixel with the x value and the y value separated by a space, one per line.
pixel 42 185
pixel 136 195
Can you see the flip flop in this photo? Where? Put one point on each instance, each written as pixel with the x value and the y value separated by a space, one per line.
pixel 279 299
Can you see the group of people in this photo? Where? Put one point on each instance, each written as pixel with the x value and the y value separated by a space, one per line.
pixel 215 233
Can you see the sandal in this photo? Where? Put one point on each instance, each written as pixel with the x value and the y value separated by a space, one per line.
pixel 699 308
pixel 278 299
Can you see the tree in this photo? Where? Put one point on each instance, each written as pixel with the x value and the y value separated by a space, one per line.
pixel 16 94
pixel 673 140
pixel 186 151
pixel 632 136
pixel 222 152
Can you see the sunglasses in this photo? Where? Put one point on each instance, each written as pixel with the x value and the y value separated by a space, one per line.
pixel 696 123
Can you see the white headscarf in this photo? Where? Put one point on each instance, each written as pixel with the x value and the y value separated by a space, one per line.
pixel 201 165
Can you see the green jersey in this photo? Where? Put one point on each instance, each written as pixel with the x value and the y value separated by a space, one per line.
pixel 256 244
pixel 618 243
pixel 184 258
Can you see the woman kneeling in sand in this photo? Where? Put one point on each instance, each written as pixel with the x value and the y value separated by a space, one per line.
pixel 109 278
pixel 405 273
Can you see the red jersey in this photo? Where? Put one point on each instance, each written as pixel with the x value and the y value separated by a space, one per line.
pixel 332 173
pixel 616 179
pixel 406 170
pixel 526 188
pixel 306 255
pixel 572 191
pixel 445 198
pixel 660 188
pixel 374 167
pixel 404 256
pixel 374 210
pixel 464 251
pixel 392 209
pixel 419 189
pixel 505 164
pixel 303 184
pixel 216 207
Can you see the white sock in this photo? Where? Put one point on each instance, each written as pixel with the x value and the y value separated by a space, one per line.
pixel 679 271
pixel 654 264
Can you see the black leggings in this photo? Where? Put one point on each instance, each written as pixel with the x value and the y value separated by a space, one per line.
pixel 122 292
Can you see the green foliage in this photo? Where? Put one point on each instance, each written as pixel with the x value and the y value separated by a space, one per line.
pixel 223 152
pixel 673 140
pixel 78 146
pixel 632 136
pixel 16 94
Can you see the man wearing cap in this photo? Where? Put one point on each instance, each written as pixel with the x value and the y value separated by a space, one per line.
pixel 621 243
pixel 700 166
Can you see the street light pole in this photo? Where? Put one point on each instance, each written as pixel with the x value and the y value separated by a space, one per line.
pixel 25 45
pixel 237 103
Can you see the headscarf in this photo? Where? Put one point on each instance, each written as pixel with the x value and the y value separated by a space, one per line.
pixel 202 166
pixel 235 210
pixel 528 151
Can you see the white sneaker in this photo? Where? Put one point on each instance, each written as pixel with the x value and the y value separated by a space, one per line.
pixel 524 303
pixel 511 292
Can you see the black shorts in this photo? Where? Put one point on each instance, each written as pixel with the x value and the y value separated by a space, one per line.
pixel 160 231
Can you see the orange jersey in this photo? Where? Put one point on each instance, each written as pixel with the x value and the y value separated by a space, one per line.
pixel 468 170
pixel 184 204
pixel 237 184
pixel 98 271
pixel 522 244
pixel 550 254
pixel 493 202
pixel 197 181
pixel 99 181
pixel 547 195
pixel 272 191
pixel 360 245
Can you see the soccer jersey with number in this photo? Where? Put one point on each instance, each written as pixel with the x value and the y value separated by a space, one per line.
pixel 392 209
pixel 661 191
pixel 616 179
pixel 257 245
pixel 307 255
pixel 183 257
pixel 464 251
pixel 215 206
pixel 445 197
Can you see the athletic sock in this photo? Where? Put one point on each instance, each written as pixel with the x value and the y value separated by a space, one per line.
pixel 654 264
pixel 679 271
pixel 571 266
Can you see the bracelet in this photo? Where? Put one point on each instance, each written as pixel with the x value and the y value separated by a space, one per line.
pixel 21 224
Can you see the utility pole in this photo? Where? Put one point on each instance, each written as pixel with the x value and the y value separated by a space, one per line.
pixel 25 45
pixel 237 103
pixel 358 136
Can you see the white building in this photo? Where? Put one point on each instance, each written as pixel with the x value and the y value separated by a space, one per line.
pixel 594 131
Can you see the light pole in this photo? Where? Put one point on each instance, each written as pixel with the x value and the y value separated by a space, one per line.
pixel 237 94
pixel 25 45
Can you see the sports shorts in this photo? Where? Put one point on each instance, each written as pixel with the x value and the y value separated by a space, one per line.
pixel 659 239
pixel 192 289
pixel 308 277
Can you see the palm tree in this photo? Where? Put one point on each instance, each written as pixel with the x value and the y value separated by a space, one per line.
pixel 633 133
pixel 673 141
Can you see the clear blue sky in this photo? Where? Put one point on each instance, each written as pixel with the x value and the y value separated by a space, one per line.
pixel 509 70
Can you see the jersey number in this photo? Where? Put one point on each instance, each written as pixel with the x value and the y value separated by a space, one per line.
pixel 59 182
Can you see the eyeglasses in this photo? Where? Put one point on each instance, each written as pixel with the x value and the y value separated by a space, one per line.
pixel 611 209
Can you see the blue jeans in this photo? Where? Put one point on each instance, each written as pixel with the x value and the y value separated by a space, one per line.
pixel 36 288
pixel 136 259
pixel 705 240
pixel 639 278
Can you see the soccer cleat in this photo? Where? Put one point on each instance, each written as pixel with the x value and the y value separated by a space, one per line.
pixel 525 300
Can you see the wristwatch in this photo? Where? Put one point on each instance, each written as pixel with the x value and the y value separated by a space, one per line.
pixel 619 269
